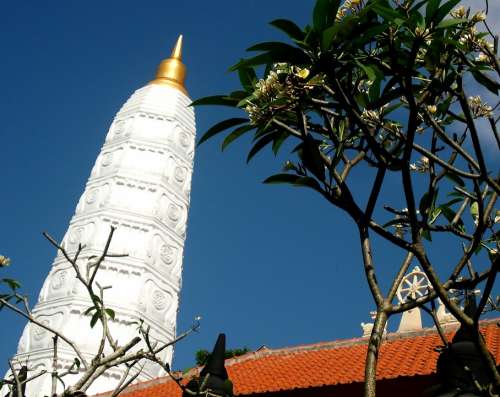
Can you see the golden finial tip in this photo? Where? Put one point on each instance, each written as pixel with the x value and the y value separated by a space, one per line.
pixel 177 51
pixel 172 71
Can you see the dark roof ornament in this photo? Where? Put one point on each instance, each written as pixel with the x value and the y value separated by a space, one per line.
pixel 213 380
pixel 460 367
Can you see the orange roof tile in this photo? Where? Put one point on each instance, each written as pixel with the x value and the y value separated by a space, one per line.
pixel 325 364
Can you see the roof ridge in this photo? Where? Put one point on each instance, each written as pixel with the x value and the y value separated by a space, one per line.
pixel 340 343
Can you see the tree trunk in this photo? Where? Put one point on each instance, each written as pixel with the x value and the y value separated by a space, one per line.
pixel 372 353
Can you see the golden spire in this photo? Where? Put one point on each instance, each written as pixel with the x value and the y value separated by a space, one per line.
pixel 171 70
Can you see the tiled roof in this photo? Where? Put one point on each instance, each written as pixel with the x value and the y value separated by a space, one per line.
pixel 325 364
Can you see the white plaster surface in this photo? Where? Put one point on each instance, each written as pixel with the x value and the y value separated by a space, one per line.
pixel 140 184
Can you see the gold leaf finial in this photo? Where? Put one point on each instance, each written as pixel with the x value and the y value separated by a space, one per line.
pixel 172 71
pixel 177 51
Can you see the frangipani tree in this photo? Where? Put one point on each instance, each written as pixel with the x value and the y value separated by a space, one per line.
pixel 392 89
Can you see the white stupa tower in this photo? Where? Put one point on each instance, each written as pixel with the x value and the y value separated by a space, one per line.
pixel 140 184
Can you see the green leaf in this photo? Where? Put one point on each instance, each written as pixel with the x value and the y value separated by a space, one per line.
pixel 396 221
pixel 448 213
pixel 311 158
pixel 94 319
pixel 425 203
pixel 220 100
pixel 89 310
pixel 430 10
pixel 451 22
pixel 110 313
pixel 13 284
pixel 370 34
pixel 328 36
pixel 279 140
pixel 247 77
pixel 444 10
pixel 369 70
pixel 418 5
pixel 455 179
pixel 386 12
pixel 434 215
pixel 221 126
pixel 324 13
pixel 261 144
pixel 281 178
pixel 474 209
pixel 295 180
pixel 485 81
pixel 261 59
pixel 96 298
pixel 308 182
pixel 426 234
pixel 236 134
pixel 271 46
pixel 289 27
pixel 276 52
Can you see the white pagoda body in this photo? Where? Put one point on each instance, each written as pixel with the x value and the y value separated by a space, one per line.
pixel 140 184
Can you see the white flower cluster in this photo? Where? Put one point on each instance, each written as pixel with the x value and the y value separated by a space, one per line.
pixel 254 113
pixel 479 108
pixel 364 85
pixel 459 12
pixel 269 88
pixel 471 39
pixel 421 166
pixel 421 32
pixel 273 87
pixel 266 90
pixel 469 36
pixel 4 261
pixel 371 117
pixel 348 6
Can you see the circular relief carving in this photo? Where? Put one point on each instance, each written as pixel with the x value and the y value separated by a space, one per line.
pixel 184 139
pixel 167 254
pixel 107 159
pixel 180 174
pixel 159 300
pixel 174 213
pixel 119 127
pixel 75 235
pixel 59 279
pixel 39 332
pixel 92 196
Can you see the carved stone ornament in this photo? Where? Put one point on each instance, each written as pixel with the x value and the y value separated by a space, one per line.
pixel 174 212
pixel 119 127
pixel 159 300
pixel 184 139
pixel 167 254
pixel 180 174
pixel 59 279
pixel 414 285
pixel 107 159
pixel 92 196
pixel 39 332
pixel 75 236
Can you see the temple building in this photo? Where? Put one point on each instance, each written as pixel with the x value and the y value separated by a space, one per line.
pixel 140 184
pixel 407 367
pixel 407 362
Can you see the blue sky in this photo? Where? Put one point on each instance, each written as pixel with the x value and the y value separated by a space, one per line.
pixel 268 265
